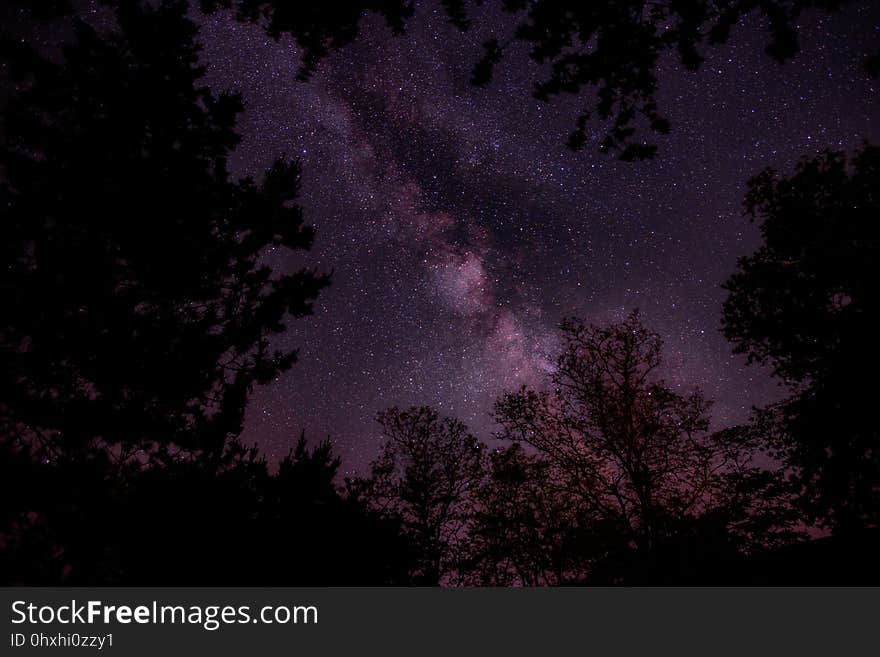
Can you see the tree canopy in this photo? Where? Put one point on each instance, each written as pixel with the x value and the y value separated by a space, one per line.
pixel 143 309
pixel 807 304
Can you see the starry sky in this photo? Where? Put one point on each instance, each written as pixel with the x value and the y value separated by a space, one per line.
pixel 460 229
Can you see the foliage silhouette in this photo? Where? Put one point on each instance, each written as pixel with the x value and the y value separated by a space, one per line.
pixel 806 303
pixel 614 48
pixel 526 530
pixel 143 312
pixel 190 522
pixel 611 47
pixel 244 525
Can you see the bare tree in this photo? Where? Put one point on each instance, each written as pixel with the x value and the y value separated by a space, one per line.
pixel 636 452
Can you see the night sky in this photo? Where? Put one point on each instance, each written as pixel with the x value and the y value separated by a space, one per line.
pixel 460 230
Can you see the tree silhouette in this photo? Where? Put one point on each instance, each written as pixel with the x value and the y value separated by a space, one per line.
pixel 143 312
pixel 526 529
pixel 425 474
pixel 637 454
pixel 806 303
pixel 188 522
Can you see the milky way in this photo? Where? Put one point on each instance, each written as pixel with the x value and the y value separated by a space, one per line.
pixel 460 230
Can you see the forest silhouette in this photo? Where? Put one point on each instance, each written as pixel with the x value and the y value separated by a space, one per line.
pixel 139 316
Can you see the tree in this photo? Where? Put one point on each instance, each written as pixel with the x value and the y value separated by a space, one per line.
pixel 807 303
pixel 636 453
pixel 140 311
pixel 143 310
pixel 426 474
pixel 526 529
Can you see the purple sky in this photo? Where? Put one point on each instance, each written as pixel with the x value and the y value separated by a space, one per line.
pixel 460 229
